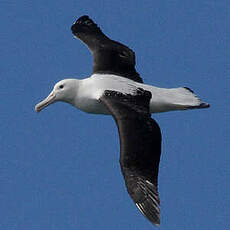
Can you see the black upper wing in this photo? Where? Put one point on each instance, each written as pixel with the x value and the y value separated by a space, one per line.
pixel 110 57
pixel 140 140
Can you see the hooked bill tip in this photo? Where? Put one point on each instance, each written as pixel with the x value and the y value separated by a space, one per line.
pixel 36 108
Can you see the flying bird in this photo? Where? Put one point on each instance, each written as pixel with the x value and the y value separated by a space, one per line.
pixel 115 88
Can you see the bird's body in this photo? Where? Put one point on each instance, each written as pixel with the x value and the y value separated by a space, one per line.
pixel 115 88
pixel 89 90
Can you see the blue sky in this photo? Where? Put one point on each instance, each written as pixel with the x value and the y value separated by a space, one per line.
pixel 60 169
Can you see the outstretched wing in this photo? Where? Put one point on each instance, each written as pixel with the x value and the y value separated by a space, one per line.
pixel 110 57
pixel 140 140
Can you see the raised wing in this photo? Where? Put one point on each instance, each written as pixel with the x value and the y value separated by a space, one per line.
pixel 110 57
pixel 140 140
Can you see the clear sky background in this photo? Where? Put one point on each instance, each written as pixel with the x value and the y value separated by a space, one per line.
pixel 59 170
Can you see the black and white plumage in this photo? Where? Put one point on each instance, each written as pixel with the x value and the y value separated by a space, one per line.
pixel 115 88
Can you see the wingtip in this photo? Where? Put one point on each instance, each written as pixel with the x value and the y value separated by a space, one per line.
pixel 157 223
pixel 153 218
pixel 83 24
pixel 82 18
pixel 79 21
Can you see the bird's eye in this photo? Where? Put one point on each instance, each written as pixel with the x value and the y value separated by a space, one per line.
pixel 61 86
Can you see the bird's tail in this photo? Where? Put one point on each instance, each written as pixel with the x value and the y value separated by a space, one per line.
pixel 182 98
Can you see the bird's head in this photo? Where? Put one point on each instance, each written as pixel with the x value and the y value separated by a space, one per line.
pixel 65 90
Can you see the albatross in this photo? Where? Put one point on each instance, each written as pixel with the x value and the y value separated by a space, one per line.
pixel 115 88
